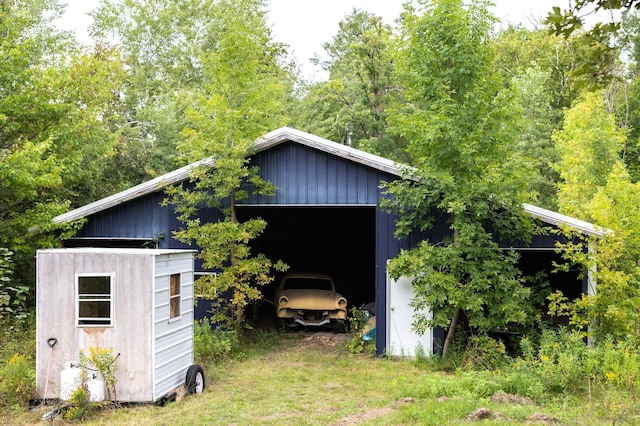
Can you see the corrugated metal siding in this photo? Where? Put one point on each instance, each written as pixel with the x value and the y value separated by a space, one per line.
pixel 173 338
pixel 307 176
pixel 139 218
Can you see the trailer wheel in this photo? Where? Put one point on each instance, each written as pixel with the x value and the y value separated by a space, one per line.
pixel 195 379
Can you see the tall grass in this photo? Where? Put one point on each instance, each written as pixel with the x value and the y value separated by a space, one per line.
pixel 275 378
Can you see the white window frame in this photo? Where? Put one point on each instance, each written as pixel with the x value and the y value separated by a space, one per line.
pixel 110 298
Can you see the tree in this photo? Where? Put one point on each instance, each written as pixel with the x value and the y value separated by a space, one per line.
pixel 352 106
pixel 599 65
pixel 597 187
pixel 161 43
pixel 56 122
pixel 589 144
pixel 245 90
pixel 460 142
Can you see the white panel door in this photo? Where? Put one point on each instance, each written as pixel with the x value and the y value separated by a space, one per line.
pixel 401 339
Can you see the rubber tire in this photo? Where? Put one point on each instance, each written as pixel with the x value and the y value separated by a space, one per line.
pixel 194 382
pixel 339 327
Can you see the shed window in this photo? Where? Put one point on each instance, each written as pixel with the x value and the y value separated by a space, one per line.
pixel 174 296
pixel 95 301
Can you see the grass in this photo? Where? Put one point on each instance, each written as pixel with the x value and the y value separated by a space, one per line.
pixel 299 378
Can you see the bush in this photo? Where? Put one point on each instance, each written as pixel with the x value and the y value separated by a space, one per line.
pixel 80 406
pixel 17 381
pixel 212 345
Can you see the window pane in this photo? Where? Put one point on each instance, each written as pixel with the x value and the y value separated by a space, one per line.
pixel 174 296
pixel 94 309
pixel 94 285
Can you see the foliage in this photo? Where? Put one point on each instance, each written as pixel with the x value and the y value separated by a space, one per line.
pixel 598 65
pixel 244 92
pixel 538 67
pixel 464 168
pixel 597 187
pixel 17 381
pixel 589 144
pixel 565 364
pixel 104 362
pixel 351 107
pixel 13 296
pixel 357 327
pixel 212 345
pixel 80 406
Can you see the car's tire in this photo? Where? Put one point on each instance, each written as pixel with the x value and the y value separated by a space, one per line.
pixel 194 383
pixel 339 327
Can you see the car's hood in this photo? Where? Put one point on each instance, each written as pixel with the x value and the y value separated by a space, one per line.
pixel 310 299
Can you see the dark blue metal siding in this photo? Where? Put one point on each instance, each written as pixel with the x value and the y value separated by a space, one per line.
pixel 139 218
pixel 307 176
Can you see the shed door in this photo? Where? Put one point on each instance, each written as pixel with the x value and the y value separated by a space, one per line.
pixel 401 339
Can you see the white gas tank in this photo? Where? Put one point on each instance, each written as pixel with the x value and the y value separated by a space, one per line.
pixel 70 380
pixel 95 386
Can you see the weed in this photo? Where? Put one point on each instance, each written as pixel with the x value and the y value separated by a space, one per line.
pixel 212 345
pixel 80 406
pixel 105 364
pixel 17 381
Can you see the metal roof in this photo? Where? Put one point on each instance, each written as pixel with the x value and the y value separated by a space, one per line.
pixel 267 141
pixel 282 135
pixel 555 218
pixel 108 250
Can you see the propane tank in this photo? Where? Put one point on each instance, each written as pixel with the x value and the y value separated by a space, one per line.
pixel 95 386
pixel 70 380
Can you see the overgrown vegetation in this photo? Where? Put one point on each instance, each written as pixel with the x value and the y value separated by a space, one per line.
pixel 288 378
pixel 17 365
pixel 103 362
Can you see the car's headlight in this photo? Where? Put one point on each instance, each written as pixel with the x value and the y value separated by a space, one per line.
pixel 342 302
pixel 283 301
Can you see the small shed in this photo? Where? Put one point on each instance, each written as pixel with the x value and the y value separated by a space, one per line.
pixel 136 302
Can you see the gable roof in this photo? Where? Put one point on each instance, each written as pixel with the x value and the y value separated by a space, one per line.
pixel 282 135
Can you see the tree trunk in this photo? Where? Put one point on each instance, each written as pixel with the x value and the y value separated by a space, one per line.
pixel 450 333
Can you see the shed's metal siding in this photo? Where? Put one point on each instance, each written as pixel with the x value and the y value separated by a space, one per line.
pixel 306 176
pixel 139 218
pixel 142 217
pixel 172 338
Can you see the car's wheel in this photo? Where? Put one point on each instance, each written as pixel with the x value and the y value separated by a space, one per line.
pixel 339 327
pixel 194 382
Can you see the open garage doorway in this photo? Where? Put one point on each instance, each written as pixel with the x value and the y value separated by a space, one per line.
pixel 572 283
pixel 339 241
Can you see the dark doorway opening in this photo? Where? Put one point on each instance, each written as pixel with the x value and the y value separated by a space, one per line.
pixel 339 241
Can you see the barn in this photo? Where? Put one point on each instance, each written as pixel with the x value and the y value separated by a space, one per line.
pixel 324 217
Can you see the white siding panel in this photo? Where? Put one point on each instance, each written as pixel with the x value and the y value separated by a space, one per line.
pixel 173 338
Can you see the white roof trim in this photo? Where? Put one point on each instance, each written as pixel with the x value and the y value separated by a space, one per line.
pixel 285 134
pixel 558 219
pixel 144 188
pixel 277 137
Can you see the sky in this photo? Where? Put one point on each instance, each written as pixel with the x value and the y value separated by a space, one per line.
pixel 304 25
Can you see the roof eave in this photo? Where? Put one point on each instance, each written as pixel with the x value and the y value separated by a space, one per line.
pixel 558 219
pixel 144 188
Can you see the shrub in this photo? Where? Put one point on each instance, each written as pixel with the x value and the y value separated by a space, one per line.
pixel 17 381
pixel 211 345
pixel 105 364
pixel 80 406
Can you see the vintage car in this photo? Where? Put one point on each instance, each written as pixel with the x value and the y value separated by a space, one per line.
pixel 309 299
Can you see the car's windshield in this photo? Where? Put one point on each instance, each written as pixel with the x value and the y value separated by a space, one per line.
pixel 307 284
